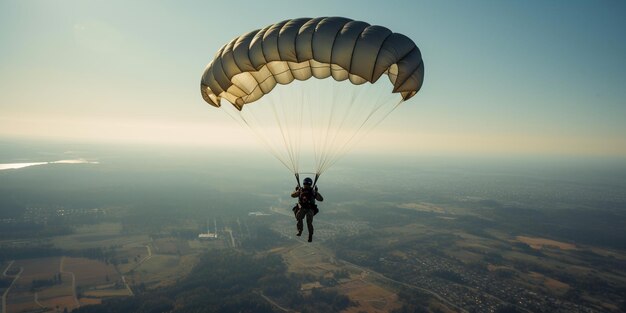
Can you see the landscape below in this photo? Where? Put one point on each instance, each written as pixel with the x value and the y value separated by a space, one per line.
pixel 122 235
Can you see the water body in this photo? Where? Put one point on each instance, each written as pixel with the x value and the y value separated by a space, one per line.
pixel 9 166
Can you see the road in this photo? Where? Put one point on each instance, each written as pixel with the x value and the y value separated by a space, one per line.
pixel 146 258
pixel 73 281
pixel 274 303
pixel 149 254
pixel 37 301
pixel 6 292
pixel 130 291
pixel 6 269
pixel 232 239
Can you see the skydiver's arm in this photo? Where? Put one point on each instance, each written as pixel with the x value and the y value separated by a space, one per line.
pixel 318 197
pixel 296 193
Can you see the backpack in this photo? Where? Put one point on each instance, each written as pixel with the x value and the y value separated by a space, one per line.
pixel 306 200
pixel 307 197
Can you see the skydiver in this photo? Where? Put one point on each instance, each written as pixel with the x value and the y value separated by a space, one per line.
pixel 306 205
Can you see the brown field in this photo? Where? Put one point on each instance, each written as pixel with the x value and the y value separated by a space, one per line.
pixel 206 244
pixel 493 268
pixel 470 248
pixel 310 259
pixel 369 297
pixel 25 302
pixel 607 306
pixel 399 254
pixel 540 243
pixel 92 240
pixel 88 301
pixel 19 301
pixel 544 284
pixel 22 306
pixel 131 251
pixel 90 272
pixel 159 263
pixel 438 307
pixel 162 270
pixel 134 254
pixel 65 289
pixel 616 276
pixel 43 268
pixel 580 270
pixel 277 250
pixel 609 253
pixel 20 298
pixel 107 293
pixel 102 228
pixel 553 285
pixel 412 230
pixel 98 235
pixel 464 255
pixel 446 217
pixel 360 287
pixel 157 269
pixel 112 285
pixel 424 207
pixel 63 302
pixel 556 286
pixel 482 243
pixel 309 286
pixel 519 256
pixel 171 246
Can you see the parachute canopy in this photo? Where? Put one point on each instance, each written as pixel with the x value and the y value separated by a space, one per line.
pixel 251 65
pixel 320 117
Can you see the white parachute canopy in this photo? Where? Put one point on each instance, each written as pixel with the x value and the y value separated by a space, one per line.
pixel 278 80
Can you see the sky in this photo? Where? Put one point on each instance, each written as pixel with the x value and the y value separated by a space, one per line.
pixel 501 77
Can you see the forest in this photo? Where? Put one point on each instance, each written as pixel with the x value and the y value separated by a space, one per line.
pixel 229 281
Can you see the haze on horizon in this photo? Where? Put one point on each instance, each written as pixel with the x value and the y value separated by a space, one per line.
pixel 531 78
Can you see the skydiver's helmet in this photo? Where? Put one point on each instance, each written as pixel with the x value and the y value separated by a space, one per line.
pixel 307 182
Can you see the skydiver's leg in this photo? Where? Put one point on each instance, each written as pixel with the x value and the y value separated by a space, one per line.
pixel 309 223
pixel 299 217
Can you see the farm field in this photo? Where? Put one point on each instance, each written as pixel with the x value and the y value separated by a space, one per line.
pixel 161 270
pixel 91 273
pixel 171 246
pixel 368 292
pixel 539 243
pixel 41 268
pixel 85 281
pixel 70 282
pixel 370 297
pixel 58 292
pixel 100 240
pixel 131 256
pixel 105 293
pixel 103 235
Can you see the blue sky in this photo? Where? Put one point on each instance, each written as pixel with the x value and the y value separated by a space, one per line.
pixel 502 77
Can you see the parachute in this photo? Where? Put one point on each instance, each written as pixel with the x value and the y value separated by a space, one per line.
pixel 328 115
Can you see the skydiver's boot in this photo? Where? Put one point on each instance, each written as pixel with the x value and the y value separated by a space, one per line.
pixel 310 237
pixel 299 233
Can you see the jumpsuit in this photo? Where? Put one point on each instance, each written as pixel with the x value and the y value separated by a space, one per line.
pixel 303 210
